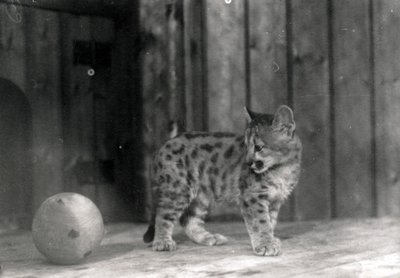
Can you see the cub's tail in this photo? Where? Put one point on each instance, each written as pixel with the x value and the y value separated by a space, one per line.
pixel 149 235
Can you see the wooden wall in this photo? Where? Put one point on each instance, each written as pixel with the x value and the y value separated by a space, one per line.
pixel 74 129
pixel 197 63
pixel 334 61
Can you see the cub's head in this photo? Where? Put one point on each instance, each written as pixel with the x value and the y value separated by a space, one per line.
pixel 270 139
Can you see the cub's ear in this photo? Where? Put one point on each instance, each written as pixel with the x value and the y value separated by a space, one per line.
pixel 284 120
pixel 247 114
pixel 250 115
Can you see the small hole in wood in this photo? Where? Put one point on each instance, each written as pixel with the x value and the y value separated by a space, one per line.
pixel 91 72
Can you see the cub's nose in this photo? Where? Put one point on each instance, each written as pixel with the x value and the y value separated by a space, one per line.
pixel 259 164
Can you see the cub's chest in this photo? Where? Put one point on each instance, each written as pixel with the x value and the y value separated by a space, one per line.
pixel 276 184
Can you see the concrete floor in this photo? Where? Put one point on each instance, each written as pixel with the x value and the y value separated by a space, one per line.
pixel 345 248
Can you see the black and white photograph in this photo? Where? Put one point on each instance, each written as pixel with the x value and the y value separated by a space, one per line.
pixel 199 138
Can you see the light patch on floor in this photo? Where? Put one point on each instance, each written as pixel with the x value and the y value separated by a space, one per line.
pixel 343 248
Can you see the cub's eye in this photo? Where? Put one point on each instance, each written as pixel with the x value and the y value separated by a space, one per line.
pixel 258 148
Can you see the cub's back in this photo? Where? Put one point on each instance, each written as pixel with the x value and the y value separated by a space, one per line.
pixel 201 159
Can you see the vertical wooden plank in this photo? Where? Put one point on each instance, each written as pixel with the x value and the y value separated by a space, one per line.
pixel 66 58
pixel 126 85
pixel 97 110
pixel 102 34
pixel 162 73
pixel 387 75
pixel 78 114
pixel 175 46
pixel 226 76
pixel 267 46
pixel 137 149
pixel 153 67
pixel 196 106
pixel 267 43
pixel 12 41
pixel 154 70
pixel 162 67
pixel 311 103
pixel 225 65
pixel 105 115
pixel 352 73
pixel 44 93
pixel 116 191
pixel 82 114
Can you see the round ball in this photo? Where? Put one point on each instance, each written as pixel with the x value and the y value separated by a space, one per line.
pixel 67 227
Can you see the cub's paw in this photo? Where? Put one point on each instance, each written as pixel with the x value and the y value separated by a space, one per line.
pixel 270 248
pixel 164 245
pixel 214 239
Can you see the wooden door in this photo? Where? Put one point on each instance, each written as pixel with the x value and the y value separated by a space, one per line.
pixel 96 148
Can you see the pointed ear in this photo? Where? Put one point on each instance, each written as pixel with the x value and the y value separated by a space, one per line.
pixel 250 115
pixel 284 120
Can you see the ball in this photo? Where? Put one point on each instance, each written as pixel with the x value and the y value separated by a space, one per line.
pixel 67 227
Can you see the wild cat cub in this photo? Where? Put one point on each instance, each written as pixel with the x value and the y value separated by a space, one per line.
pixel 259 169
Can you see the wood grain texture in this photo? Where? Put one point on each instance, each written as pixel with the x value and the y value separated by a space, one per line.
pixel 44 93
pixel 195 77
pixel 175 53
pixel 77 111
pixel 105 99
pixel 13 42
pixel 342 248
pixel 352 88
pixel 267 46
pixel 110 115
pixel 387 86
pixel 191 68
pixel 154 87
pixel 97 122
pixel 163 95
pixel 162 73
pixel 225 65
pixel 226 87
pixel 311 104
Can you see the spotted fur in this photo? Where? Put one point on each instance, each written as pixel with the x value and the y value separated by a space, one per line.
pixel 259 170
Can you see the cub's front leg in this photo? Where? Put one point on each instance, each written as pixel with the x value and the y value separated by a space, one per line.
pixel 260 217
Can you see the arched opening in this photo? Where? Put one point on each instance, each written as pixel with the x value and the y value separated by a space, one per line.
pixel 15 157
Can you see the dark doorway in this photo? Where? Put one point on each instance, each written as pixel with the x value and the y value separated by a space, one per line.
pixel 15 157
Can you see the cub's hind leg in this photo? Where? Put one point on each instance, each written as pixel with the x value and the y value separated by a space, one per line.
pixel 193 221
pixel 171 203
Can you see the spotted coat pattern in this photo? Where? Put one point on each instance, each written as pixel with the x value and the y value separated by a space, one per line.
pixel 258 170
